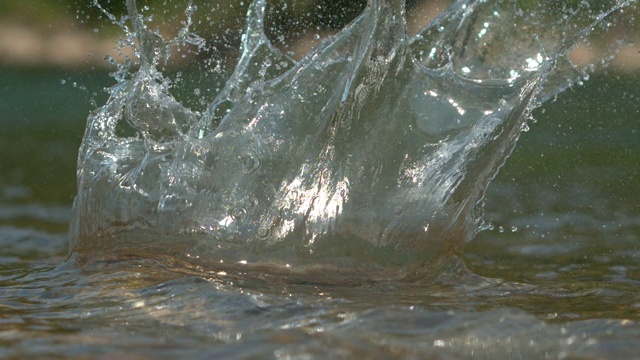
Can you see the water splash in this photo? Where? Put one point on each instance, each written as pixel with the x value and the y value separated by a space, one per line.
pixel 367 159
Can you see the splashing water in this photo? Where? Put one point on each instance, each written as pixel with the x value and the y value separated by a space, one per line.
pixel 366 159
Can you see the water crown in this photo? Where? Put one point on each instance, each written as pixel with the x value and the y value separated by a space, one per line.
pixel 366 159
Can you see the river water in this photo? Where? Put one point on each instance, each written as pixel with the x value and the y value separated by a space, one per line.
pixel 555 275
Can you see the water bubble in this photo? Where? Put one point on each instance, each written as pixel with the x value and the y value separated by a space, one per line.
pixel 248 162
pixel 264 232
pixel 251 162
pixel 238 213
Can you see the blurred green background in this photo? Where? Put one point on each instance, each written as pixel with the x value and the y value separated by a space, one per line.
pixel 53 73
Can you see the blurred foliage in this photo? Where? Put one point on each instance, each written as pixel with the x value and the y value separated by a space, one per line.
pixel 34 11
pixel 290 15
pixel 288 23
pixel 332 13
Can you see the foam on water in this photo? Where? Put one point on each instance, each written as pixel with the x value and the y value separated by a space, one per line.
pixel 368 157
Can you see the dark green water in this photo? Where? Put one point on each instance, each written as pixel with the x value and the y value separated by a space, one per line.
pixel 566 242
